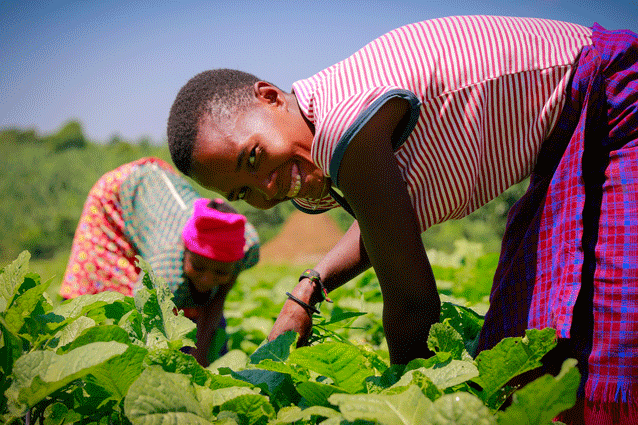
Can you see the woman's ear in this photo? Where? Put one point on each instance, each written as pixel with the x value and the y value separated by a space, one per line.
pixel 268 93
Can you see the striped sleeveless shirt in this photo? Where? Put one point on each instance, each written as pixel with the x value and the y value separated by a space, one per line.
pixel 485 91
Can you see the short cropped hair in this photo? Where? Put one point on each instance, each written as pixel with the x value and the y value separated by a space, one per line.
pixel 218 92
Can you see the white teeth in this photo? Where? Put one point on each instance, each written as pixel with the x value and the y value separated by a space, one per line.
pixel 295 182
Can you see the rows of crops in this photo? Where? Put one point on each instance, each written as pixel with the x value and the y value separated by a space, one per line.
pixel 111 359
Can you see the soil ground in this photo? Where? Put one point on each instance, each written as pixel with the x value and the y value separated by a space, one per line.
pixel 303 239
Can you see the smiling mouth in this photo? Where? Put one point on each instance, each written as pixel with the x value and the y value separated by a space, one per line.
pixel 295 182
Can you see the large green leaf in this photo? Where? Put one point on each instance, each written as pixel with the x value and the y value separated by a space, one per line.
pixel 223 381
pixel 79 306
pixel 221 395
pixel 459 409
pixel 453 373
pixel 102 307
pixel 343 363
pixel 317 394
pixel 411 407
pixel 294 414
pixel 466 321
pixel 116 375
pixel 158 398
pixel 131 322
pixel 277 350
pixel 23 308
pixel 512 357
pixel 543 399
pixel 175 361
pixel 96 333
pixel 71 331
pixel 235 359
pixel 11 277
pixel 39 373
pixel 155 303
pixel 428 388
pixel 251 408
pixel 408 408
pixel 278 386
pixel 297 373
pixel 443 338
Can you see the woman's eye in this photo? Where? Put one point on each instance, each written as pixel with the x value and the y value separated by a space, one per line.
pixel 252 157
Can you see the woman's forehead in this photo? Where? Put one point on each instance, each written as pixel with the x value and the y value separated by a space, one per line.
pixel 214 161
pixel 221 153
pixel 214 141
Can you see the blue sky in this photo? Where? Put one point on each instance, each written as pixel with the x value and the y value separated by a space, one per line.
pixel 116 66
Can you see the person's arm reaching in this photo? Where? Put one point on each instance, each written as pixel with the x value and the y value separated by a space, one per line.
pixel 371 181
pixel 345 261
pixel 208 321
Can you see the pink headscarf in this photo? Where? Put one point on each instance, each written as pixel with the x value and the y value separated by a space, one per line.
pixel 214 234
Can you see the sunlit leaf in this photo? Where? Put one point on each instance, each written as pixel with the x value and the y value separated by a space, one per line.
pixel 512 357
pixel 39 373
pixel 11 277
pixel 543 399
pixel 159 397
pixel 343 363
pixel 277 350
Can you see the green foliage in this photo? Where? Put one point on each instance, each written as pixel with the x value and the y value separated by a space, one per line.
pixel 108 358
pixel 81 357
pixel 68 137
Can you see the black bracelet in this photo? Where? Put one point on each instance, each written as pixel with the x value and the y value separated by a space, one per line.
pixel 303 304
pixel 315 277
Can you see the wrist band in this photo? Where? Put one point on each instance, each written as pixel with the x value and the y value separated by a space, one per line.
pixel 303 304
pixel 315 277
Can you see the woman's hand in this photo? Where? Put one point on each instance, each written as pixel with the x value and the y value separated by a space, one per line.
pixel 295 317
pixel 344 261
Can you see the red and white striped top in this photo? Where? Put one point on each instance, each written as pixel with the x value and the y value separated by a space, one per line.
pixel 485 90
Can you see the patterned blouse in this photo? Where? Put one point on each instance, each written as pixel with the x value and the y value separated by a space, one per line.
pixel 139 208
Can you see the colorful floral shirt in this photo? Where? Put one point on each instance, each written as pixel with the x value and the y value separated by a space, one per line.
pixel 140 209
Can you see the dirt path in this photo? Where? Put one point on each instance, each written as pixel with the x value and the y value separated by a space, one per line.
pixel 304 239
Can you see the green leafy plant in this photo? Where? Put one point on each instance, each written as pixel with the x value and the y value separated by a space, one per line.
pixel 111 359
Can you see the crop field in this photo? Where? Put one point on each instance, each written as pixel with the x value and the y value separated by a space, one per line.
pixel 111 359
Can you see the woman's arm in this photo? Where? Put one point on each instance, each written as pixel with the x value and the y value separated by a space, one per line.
pixel 345 261
pixel 371 181
pixel 208 321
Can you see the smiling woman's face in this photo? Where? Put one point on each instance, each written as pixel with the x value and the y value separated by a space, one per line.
pixel 262 155
pixel 205 274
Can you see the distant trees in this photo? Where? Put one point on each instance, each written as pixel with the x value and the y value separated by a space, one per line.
pixel 44 181
pixel 68 137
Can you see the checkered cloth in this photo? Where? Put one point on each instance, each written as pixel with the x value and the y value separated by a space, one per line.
pixel 570 252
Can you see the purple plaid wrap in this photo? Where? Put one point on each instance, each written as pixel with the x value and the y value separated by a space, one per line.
pixel 569 258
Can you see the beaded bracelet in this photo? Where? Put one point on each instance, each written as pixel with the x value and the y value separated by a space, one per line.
pixel 303 304
pixel 315 277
